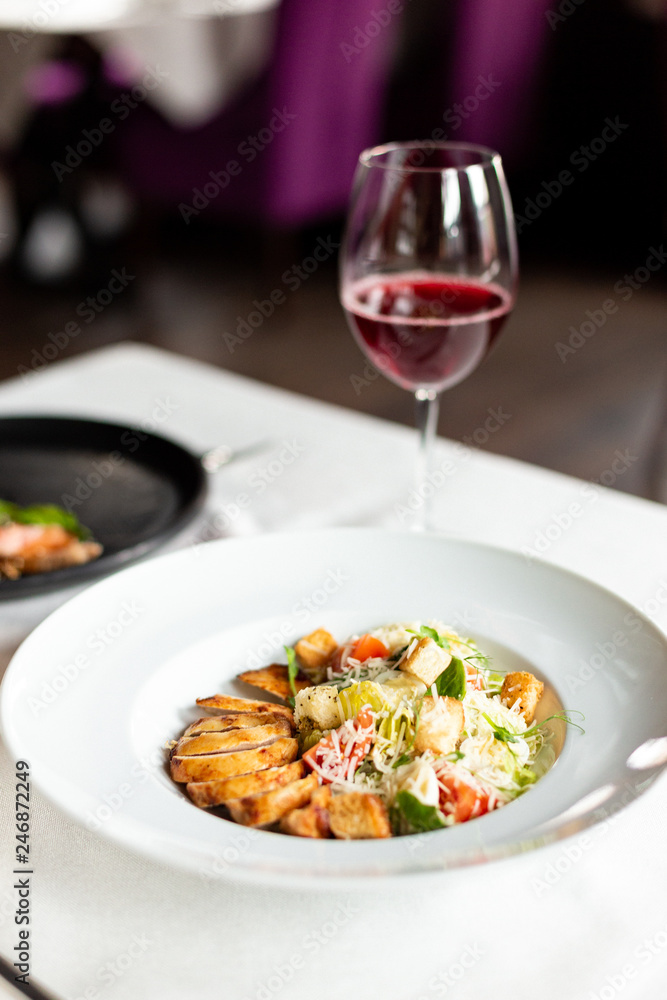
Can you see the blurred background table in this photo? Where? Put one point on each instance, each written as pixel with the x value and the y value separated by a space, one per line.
pixel 577 919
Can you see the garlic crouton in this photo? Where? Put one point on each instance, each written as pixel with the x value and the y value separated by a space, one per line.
pixel 358 816
pixel 426 661
pixel 311 821
pixel 441 722
pixel 314 651
pixel 523 688
pixel 317 707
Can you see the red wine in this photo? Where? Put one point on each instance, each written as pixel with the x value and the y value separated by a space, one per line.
pixel 424 330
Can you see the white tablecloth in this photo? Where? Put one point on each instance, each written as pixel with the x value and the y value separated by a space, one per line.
pixel 584 919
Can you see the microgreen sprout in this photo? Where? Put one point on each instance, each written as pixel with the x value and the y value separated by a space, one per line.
pixel 292 671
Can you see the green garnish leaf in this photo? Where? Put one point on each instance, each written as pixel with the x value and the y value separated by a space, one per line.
pixel 292 671
pixel 507 736
pixel 563 716
pixel 426 632
pixel 501 733
pixel 42 513
pixel 405 758
pixel 409 815
pixel 525 777
pixel 452 681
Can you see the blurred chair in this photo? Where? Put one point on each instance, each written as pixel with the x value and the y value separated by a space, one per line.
pixel 293 137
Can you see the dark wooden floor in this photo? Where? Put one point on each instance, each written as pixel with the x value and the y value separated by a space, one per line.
pixel 572 408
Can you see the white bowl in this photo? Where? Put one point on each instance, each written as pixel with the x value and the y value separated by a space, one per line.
pixel 95 691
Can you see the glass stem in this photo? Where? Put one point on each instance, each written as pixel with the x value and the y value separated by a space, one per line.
pixel 427 405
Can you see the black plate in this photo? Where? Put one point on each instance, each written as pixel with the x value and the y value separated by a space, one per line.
pixel 132 489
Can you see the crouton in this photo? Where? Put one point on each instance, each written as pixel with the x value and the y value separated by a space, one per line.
pixel 314 651
pixel 268 807
pixel 358 816
pixel 441 722
pixel 215 793
pixel 317 707
pixel 312 820
pixel 523 688
pixel 207 767
pixel 221 723
pixel 232 739
pixel 426 661
pixel 275 680
pixel 226 704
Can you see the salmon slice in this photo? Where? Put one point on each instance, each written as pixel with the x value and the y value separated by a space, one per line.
pixel 41 548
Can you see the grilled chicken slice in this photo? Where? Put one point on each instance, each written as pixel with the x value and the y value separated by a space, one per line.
pixel 312 820
pixel 269 807
pixel 215 793
pixel 210 766
pixel 233 739
pixel 275 680
pixel 221 723
pixel 226 704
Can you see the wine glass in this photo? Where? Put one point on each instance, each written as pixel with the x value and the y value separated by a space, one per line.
pixel 428 270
